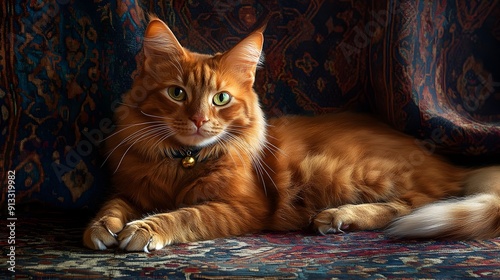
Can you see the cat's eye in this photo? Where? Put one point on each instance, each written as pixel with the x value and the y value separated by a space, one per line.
pixel 222 98
pixel 176 93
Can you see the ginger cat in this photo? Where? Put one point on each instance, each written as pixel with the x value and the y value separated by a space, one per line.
pixel 195 159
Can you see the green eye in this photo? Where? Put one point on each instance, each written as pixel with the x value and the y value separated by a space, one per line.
pixel 176 93
pixel 222 98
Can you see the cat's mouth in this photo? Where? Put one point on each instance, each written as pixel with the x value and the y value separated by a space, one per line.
pixel 197 133
pixel 196 139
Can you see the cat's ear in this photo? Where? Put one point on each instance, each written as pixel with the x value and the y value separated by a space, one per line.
pixel 246 56
pixel 160 41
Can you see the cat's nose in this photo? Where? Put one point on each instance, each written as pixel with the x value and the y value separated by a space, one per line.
pixel 199 120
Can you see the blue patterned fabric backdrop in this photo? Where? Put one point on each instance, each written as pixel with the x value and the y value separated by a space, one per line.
pixel 63 65
pixel 436 75
pixel 429 68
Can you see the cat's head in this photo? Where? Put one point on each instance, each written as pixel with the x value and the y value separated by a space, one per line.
pixel 196 100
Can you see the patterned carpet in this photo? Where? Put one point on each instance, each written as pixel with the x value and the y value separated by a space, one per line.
pixel 48 246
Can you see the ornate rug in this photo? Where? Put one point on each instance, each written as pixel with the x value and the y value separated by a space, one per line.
pixel 48 246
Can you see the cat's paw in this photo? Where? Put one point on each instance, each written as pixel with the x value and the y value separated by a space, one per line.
pixel 102 234
pixel 140 236
pixel 335 220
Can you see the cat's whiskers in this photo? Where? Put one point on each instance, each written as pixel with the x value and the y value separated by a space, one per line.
pixel 147 135
pixel 261 168
pixel 272 149
pixel 220 141
pixel 128 105
pixel 163 138
pixel 149 125
pixel 270 146
pixel 129 126
pixel 159 134
pixel 110 152
pixel 272 137
pixel 259 165
pixel 232 138
pixel 266 145
pixel 136 134
pixel 155 116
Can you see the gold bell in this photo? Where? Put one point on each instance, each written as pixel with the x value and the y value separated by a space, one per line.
pixel 188 162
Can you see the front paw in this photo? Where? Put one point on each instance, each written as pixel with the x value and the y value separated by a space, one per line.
pixel 102 234
pixel 140 236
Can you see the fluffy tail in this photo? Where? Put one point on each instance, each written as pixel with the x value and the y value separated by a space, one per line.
pixel 477 216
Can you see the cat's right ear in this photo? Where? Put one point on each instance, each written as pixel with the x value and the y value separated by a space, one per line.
pixel 160 41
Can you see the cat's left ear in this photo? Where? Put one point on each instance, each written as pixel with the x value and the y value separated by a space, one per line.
pixel 246 56
pixel 160 41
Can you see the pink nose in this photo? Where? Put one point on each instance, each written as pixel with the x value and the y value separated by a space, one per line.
pixel 199 120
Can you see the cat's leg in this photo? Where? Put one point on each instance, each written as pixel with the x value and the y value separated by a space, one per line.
pixel 359 217
pixel 102 231
pixel 202 222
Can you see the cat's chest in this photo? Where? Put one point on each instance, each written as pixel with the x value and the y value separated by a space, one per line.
pixel 170 185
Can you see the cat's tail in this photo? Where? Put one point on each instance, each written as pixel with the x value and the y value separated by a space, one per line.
pixel 476 216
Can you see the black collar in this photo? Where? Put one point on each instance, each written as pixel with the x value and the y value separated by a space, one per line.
pixel 188 156
pixel 186 152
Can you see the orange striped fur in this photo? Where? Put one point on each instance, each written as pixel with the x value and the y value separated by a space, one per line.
pixel 333 172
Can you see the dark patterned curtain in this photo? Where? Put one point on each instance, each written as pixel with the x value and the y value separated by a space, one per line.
pixel 429 68
pixel 436 73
